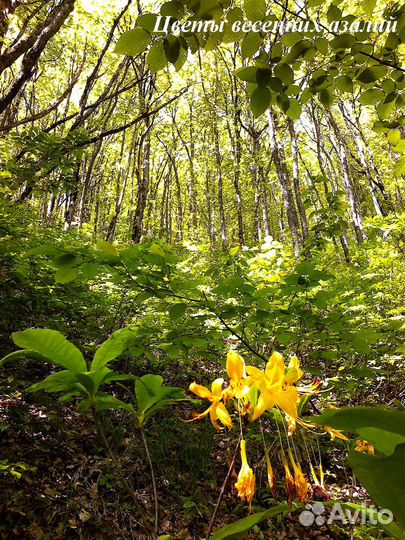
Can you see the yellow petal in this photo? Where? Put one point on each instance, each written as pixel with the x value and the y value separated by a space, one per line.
pixel 335 433
pixel 216 387
pixel 255 373
pixel 214 417
pixel 200 391
pixel 200 415
pixel 287 399
pixel 275 368
pixel 294 372
pixel 265 401
pixel 223 415
pixel 246 479
pixel 235 365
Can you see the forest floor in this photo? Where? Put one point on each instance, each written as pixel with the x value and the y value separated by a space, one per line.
pixel 62 485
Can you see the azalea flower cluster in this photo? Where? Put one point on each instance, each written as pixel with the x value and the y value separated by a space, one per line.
pixel 252 392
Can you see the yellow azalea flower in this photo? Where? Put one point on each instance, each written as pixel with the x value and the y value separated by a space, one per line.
pixel 364 447
pixel 236 369
pixel 301 484
pixel 274 388
pixel 246 479
pixel 335 433
pixel 217 410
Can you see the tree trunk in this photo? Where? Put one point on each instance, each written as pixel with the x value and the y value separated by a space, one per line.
pixel 279 160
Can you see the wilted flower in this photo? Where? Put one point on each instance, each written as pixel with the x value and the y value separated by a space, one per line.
pixel 246 479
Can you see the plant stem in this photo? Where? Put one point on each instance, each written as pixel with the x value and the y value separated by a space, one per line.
pixel 222 492
pixel 145 524
pixel 152 473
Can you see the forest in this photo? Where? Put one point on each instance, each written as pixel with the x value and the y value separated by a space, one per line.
pixel 202 278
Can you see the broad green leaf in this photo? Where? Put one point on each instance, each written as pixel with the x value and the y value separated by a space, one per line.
pixel 372 74
pixel 294 110
pixel 285 73
pixel 147 21
pixel 53 346
pixel 251 44
pixel 255 10
pixel 371 96
pixel 394 136
pixel 378 425
pixel 344 83
pixel 86 382
pixel 368 6
pixel 260 101
pixel 133 42
pixel 399 167
pixel 172 48
pixel 333 13
pixel 115 345
pixel 149 391
pixel 326 98
pixel 343 41
pixel 177 311
pixel 106 402
pixel 107 248
pixel 156 57
pixel 26 353
pixel 247 74
pixel 384 479
pixel 66 274
pixel 238 529
pixel 172 9
pixel 57 382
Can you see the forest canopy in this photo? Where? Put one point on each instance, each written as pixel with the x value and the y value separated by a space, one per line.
pixel 202 235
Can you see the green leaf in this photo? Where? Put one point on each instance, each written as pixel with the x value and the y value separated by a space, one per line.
pixel 133 42
pixel 66 274
pixel 285 73
pixel 147 21
pixel 384 479
pixel 343 41
pixel 106 402
pixel 372 74
pixel 326 98
pixel 149 391
pixel 172 9
pixel 172 48
pixel 177 311
pixel 399 167
pixel 57 382
pixel 53 346
pixel 255 10
pixel 344 83
pixel 247 74
pixel 260 101
pixel 115 345
pixel 156 57
pixel 239 528
pixel 394 136
pixel 371 96
pixel 294 110
pixel 377 425
pixel 368 6
pixel 26 353
pixel 251 44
